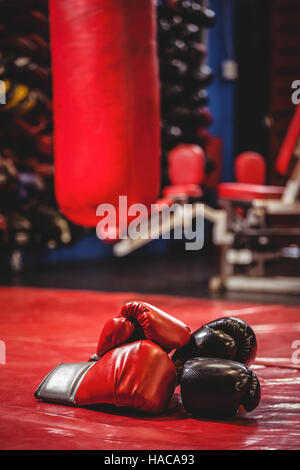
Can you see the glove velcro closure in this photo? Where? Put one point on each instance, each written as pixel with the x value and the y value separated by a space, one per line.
pixel 61 384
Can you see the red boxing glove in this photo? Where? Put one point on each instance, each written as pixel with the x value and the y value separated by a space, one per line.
pixel 139 375
pixel 140 320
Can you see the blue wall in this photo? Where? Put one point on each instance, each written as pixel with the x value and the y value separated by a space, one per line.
pixel 221 92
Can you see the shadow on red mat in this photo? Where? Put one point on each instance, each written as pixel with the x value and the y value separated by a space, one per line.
pixel 43 327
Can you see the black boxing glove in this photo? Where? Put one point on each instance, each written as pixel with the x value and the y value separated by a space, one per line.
pixel 216 388
pixel 225 338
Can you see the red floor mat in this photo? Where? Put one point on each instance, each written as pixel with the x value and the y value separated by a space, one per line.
pixel 43 327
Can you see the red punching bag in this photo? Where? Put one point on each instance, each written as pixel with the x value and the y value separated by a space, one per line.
pixel 106 104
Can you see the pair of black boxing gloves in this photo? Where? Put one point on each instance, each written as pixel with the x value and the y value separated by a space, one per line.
pixel 213 369
pixel 135 366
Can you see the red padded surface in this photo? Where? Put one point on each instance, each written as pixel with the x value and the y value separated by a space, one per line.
pixel 188 190
pixel 186 164
pixel 247 192
pixel 250 168
pixel 43 327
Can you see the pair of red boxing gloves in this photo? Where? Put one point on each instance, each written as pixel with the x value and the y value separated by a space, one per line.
pixel 132 366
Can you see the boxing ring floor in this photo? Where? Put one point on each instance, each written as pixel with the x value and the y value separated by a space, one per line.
pixel 43 327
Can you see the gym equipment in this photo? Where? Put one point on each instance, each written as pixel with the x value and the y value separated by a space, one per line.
pixel 262 226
